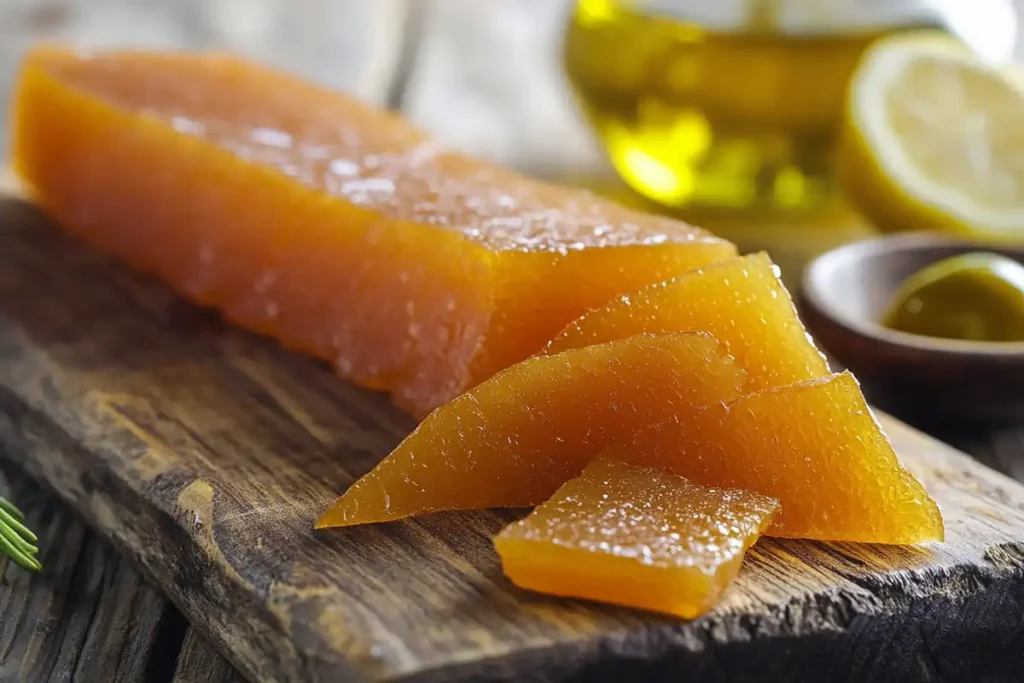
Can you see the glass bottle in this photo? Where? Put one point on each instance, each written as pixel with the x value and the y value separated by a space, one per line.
pixel 738 103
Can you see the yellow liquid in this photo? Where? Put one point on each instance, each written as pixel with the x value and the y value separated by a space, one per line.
pixel 694 118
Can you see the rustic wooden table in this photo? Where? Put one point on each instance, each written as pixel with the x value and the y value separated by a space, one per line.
pixel 461 68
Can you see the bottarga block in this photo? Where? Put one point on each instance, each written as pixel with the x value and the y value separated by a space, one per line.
pixel 340 230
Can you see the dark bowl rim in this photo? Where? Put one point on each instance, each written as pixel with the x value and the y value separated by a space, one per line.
pixel 816 292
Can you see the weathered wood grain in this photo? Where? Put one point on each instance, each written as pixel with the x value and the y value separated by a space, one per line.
pixel 89 616
pixel 206 453
pixel 999 446
pixel 101 625
pixel 199 663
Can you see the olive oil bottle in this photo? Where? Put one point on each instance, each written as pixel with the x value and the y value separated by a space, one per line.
pixel 699 109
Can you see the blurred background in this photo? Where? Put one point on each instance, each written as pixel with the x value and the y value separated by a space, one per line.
pixel 670 105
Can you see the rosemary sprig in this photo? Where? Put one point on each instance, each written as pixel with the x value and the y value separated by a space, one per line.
pixel 16 540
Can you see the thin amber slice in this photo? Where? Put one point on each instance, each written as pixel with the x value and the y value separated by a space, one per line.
pixel 814 445
pixel 514 439
pixel 817 448
pixel 742 302
pixel 339 230
pixel 635 536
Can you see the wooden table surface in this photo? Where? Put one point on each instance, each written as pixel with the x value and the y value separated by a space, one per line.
pixel 459 68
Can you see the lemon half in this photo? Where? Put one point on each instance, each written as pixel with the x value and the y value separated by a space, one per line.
pixel 933 139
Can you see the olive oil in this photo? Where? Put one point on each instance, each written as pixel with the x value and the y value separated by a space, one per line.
pixel 699 116
pixel 978 296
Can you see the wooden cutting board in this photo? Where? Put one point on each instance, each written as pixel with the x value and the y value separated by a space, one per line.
pixel 205 453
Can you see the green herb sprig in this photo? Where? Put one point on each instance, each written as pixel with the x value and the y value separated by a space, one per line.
pixel 16 540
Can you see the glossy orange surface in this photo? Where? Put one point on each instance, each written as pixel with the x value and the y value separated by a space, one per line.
pixel 514 439
pixel 340 230
pixel 741 302
pixel 816 447
pixel 637 537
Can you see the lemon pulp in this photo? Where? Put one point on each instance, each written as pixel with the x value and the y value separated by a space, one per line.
pixel 932 140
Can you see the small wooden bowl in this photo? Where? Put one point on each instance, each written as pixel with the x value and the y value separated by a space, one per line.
pixel 844 294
